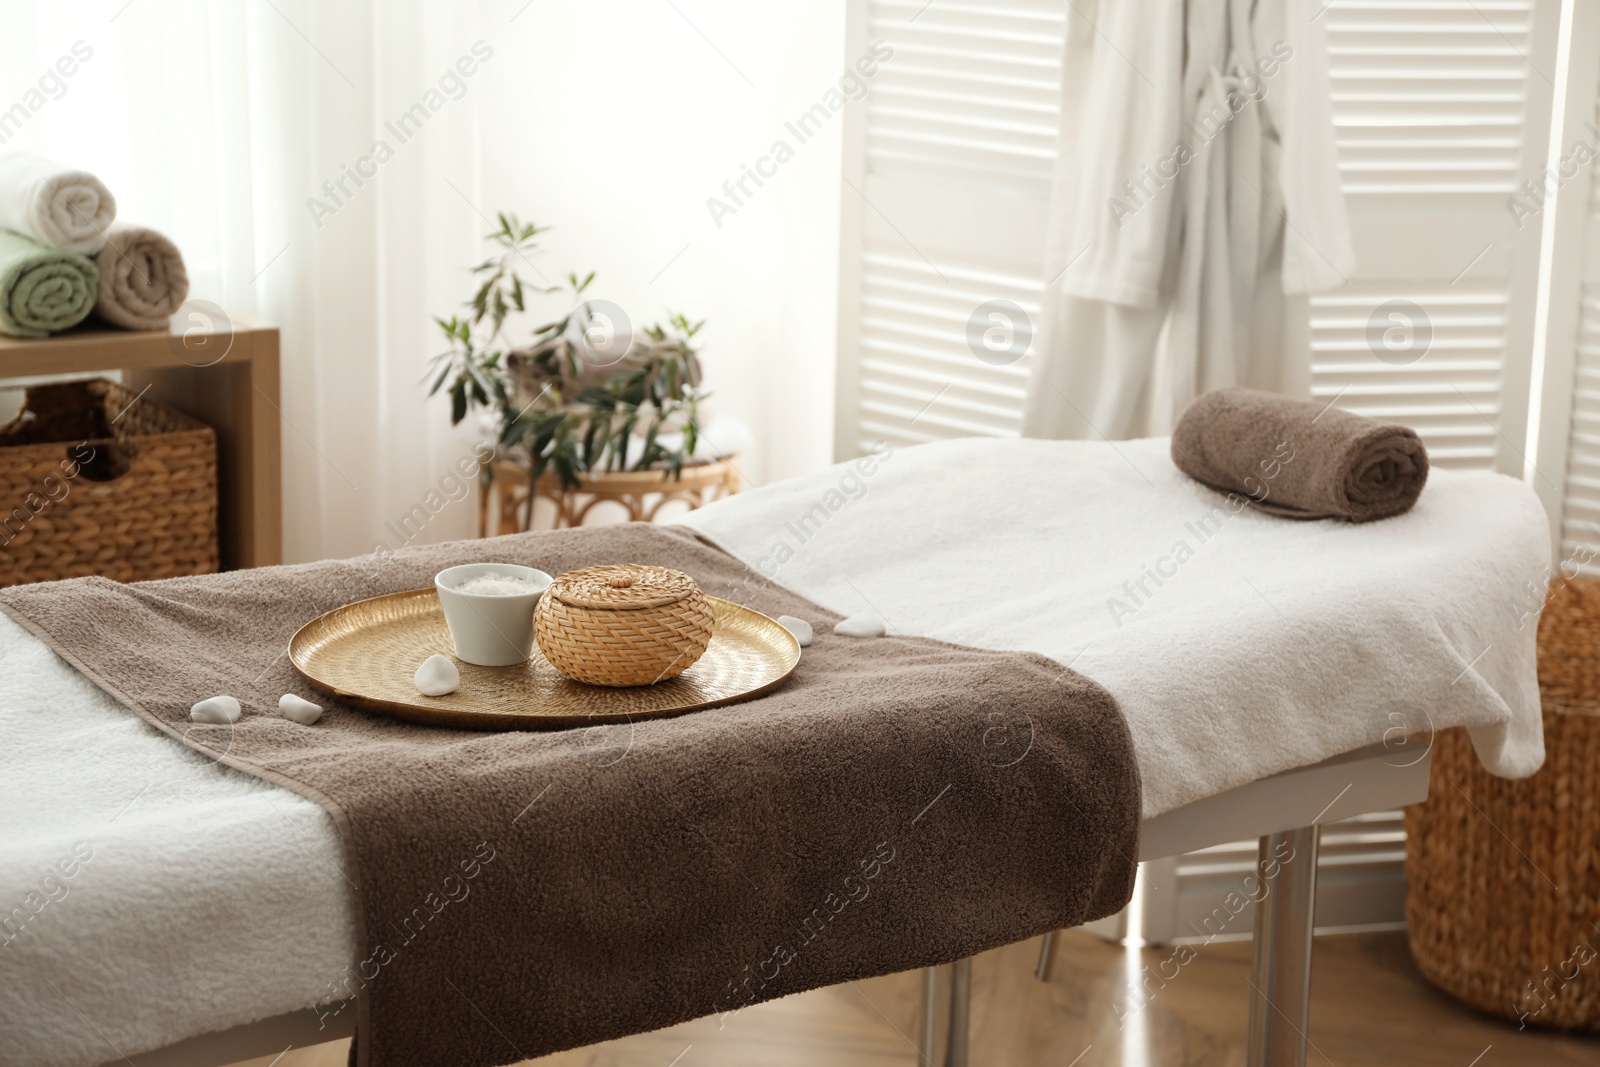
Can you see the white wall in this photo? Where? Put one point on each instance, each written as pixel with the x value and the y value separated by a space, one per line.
pixel 615 120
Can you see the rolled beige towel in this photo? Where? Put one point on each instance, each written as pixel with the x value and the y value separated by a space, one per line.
pixel 142 278
pixel 1300 459
pixel 66 209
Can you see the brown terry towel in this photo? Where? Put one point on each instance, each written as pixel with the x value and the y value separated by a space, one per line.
pixel 898 802
pixel 143 281
pixel 1300 459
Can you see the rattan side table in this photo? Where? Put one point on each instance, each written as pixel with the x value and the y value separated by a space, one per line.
pixel 641 494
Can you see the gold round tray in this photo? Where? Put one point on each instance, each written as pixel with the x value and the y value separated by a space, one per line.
pixel 366 653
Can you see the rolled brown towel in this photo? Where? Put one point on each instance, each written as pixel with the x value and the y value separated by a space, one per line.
pixel 1300 459
pixel 143 281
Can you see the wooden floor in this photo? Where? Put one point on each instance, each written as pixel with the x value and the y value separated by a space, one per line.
pixel 1369 1008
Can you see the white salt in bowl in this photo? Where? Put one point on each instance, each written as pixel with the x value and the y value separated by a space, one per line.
pixel 489 609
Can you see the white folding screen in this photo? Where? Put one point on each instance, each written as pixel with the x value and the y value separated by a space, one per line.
pixel 947 175
pixel 1441 110
pixel 1579 530
pixel 1564 466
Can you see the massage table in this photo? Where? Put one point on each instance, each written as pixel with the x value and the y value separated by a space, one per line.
pixel 1262 668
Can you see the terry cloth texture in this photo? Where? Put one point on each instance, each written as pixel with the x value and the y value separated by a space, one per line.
pixel 66 209
pixel 1238 645
pixel 142 278
pixel 42 289
pixel 1300 459
pixel 896 803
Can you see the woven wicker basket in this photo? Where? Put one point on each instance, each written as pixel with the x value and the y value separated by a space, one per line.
pixel 623 625
pixel 95 480
pixel 1503 877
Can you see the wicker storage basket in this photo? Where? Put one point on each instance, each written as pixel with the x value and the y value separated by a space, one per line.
pixel 1503 877
pixel 623 625
pixel 95 480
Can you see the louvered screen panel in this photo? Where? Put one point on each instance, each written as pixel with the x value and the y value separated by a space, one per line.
pixel 1429 96
pixel 960 126
pixel 1580 523
pixel 919 380
pixel 1451 396
pixel 1433 101
pixel 972 95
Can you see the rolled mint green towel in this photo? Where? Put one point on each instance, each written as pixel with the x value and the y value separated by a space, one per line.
pixel 43 289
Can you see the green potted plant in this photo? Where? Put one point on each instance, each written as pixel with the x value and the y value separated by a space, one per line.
pixel 586 394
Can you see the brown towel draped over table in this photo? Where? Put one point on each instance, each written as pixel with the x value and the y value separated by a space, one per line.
pixel 898 802
pixel 1300 459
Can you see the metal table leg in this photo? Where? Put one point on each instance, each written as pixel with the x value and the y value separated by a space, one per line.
pixel 932 1012
pixel 946 1014
pixel 955 1054
pixel 1280 966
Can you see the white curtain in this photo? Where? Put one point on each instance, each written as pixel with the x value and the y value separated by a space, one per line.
pixel 219 124
pixel 1196 186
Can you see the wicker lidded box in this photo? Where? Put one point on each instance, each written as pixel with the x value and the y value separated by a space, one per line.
pixel 623 624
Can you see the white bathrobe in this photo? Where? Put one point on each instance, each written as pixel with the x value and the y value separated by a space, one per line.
pixel 1196 186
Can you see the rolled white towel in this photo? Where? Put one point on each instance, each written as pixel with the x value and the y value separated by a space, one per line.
pixel 143 281
pixel 66 209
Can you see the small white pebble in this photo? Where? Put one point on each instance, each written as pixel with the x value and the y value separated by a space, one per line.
pixel 866 624
pixel 298 709
pixel 799 627
pixel 437 676
pixel 218 710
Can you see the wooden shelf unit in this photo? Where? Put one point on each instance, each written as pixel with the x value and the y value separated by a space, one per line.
pixel 227 377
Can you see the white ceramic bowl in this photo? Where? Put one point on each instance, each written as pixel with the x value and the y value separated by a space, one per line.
pixel 491 630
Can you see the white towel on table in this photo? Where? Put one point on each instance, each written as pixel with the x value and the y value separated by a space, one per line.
pixel 1238 644
pixel 67 209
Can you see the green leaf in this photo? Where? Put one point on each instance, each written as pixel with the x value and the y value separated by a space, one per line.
pixel 691 431
pixel 438 382
pixel 624 437
pixel 651 449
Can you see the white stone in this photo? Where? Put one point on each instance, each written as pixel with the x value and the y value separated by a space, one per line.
pixel 866 624
pixel 298 709
pixel 218 710
pixel 799 627
pixel 437 676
